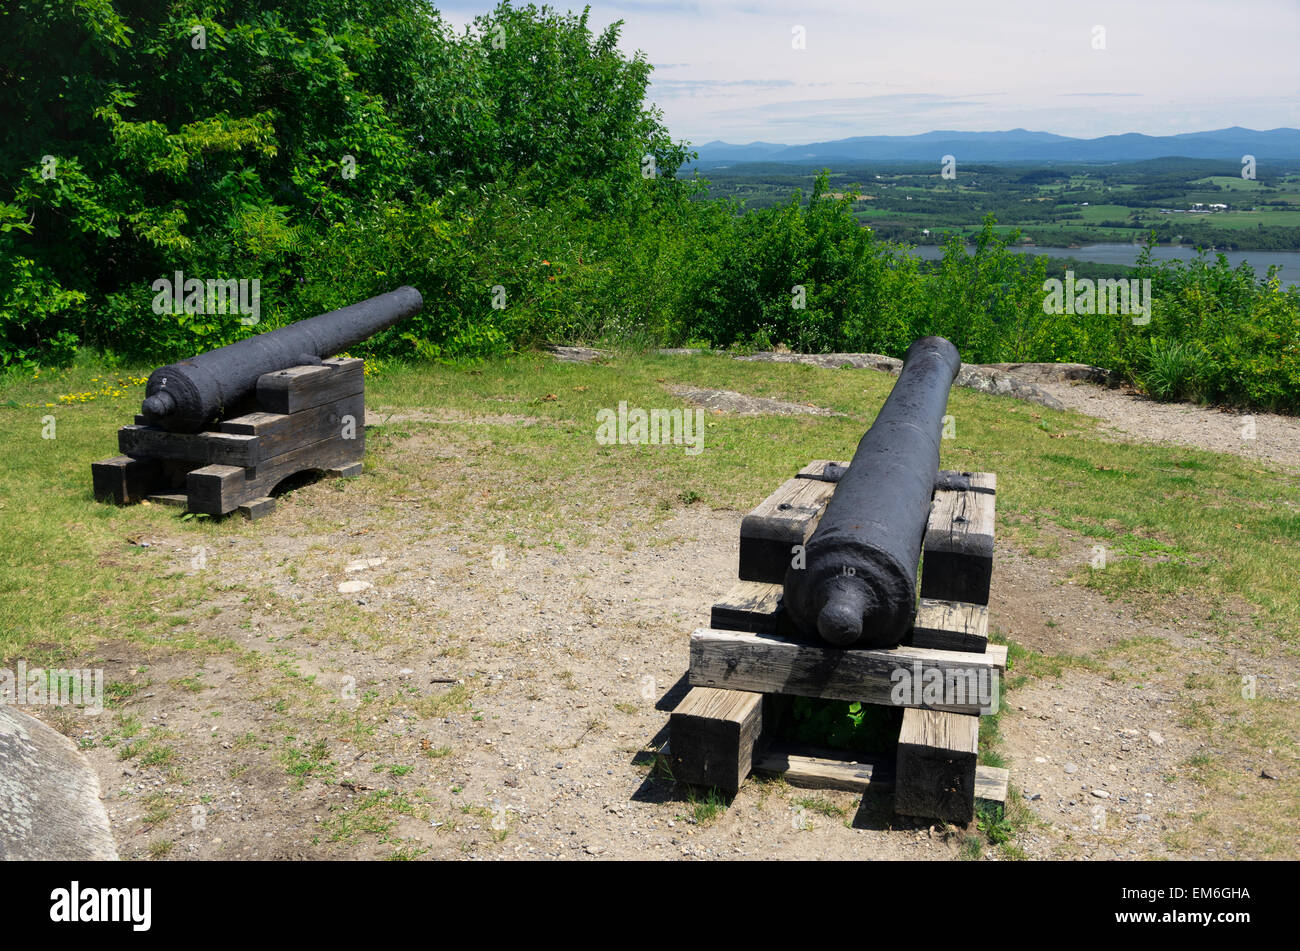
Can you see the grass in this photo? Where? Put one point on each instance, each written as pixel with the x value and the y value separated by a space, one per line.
pixel 1185 532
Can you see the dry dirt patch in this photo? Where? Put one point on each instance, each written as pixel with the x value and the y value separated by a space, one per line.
pixel 486 700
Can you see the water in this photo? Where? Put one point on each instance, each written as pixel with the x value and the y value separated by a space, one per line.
pixel 1127 254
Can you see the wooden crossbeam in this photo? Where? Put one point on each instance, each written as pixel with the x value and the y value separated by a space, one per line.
pixel 767 663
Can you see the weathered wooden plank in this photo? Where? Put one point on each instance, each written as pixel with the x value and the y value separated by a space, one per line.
pixel 178 500
pixel 958 554
pixel 991 783
pixel 300 388
pixel 784 519
pixel 124 480
pixel 902 676
pixel 935 774
pixel 257 508
pixel 218 490
pixel 276 433
pixel 206 448
pixel 826 769
pixel 951 625
pixel 712 735
pixel 748 606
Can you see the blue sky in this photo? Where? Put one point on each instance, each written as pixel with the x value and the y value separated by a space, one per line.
pixel 727 69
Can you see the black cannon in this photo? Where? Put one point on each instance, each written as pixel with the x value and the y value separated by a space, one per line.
pixel 188 395
pixel 856 584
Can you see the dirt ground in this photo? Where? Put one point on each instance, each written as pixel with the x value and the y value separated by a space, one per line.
pixel 511 719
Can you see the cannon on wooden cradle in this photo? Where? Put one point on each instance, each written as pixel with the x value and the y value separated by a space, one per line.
pixel 856 581
pixel 231 424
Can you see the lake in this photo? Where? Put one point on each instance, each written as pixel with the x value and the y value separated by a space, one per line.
pixel 1127 254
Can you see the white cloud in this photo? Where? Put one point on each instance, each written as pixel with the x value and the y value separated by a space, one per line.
pixel 885 67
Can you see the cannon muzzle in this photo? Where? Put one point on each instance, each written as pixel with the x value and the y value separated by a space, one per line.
pixel 188 395
pixel 857 583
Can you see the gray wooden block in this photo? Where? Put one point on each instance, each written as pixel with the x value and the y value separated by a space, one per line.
pixel 748 606
pixel 935 773
pixel 257 508
pixel 124 480
pixel 201 448
pixel 712 735
pixel 781 521
pixel 299 388
pixel 950 625
pixel 218 490
pixel 350 471
pixel 958 553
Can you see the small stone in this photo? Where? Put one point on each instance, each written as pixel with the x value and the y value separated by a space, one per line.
pixel 354 587
pixel 1140 817
pixel 1071 768
pixel 1155 738
pixel 1101 794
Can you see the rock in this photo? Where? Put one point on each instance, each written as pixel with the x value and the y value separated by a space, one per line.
pixel 364 563
pixel 1071 768
pixel 577 354
pixel 725 401
pixel 50 805
pixel 1140 817
pixel 1101 794
pixel 1155 738
pixel 1054 372
pixel 986 379
pixel 354 587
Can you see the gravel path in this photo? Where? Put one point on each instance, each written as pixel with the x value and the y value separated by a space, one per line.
pixel 1264 436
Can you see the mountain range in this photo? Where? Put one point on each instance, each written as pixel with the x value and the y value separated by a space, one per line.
pixel 1016 145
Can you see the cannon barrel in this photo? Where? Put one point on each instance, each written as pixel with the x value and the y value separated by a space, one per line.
pixel 857 585
pixel 188 395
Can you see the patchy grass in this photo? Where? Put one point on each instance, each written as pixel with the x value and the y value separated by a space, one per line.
pixel 1176 527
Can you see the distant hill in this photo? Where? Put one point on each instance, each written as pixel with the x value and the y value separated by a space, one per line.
pixel 1016 145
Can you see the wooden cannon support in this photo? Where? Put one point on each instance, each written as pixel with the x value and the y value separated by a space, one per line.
pixel 716 732
pixel 308 418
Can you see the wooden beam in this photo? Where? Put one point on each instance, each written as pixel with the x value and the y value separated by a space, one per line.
pixel 276 433
pixel 227 449
pixel 951 625
pixel 300 388
pixel 902 676
pixel 826 769
pixel 748 606
pixel 831 769
pixel 958 554
pixel 935 775
pixel 218 490
pixel 712 735
pixel 781 521
pixel 124 480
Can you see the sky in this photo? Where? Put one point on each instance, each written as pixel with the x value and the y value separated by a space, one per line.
pixel 730 70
